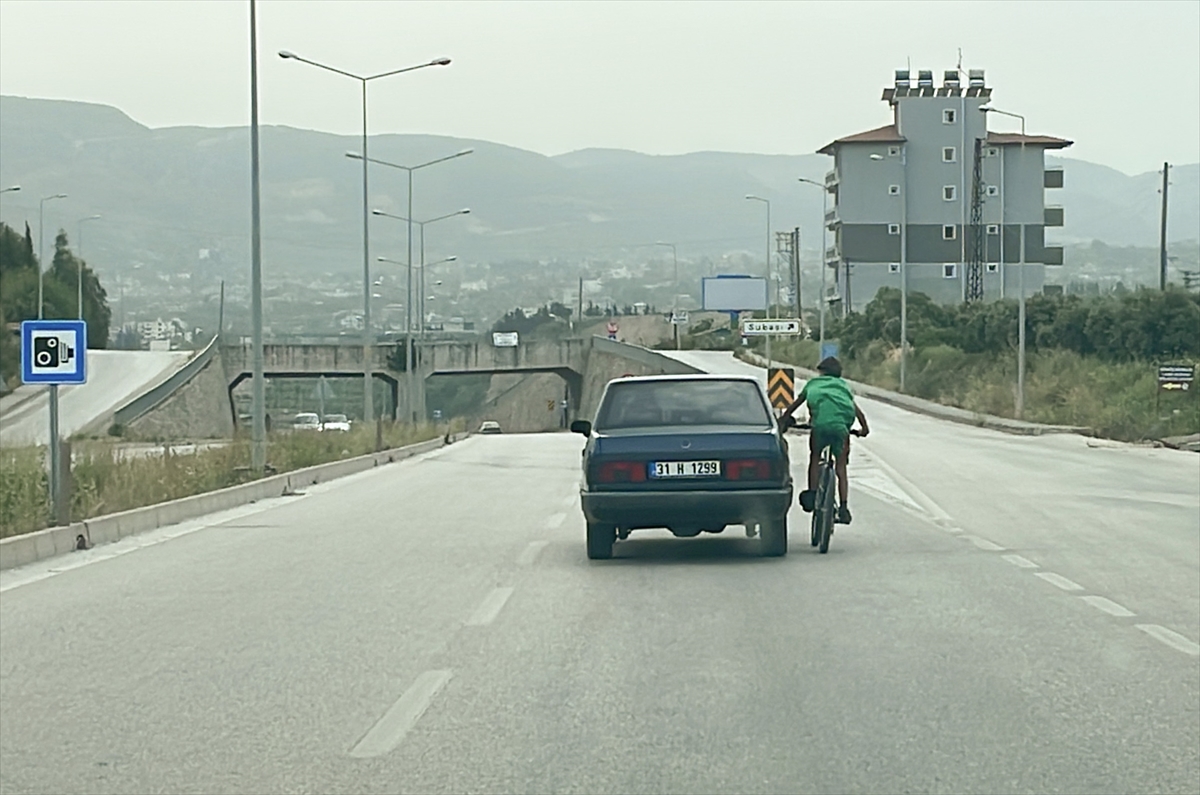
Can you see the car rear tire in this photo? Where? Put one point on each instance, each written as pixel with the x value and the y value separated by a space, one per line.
pixel 773 537
pixel 600 539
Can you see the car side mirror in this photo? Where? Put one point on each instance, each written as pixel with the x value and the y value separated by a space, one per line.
pixel 581 427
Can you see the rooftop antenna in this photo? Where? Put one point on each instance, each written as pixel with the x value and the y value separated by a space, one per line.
pixel 959 67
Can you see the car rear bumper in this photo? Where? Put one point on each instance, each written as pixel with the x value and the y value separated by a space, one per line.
pixel 704 509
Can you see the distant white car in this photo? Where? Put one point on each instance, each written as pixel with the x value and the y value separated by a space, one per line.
pixel 489 426
pixel 306 421
pixel 335 422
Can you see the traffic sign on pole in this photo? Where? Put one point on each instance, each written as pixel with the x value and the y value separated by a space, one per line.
pixel 781 386
pixel 752 328
pixel 53 351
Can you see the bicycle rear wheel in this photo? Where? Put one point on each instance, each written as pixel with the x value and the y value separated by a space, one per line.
pixel 826 508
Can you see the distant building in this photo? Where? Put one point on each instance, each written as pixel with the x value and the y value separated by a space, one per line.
pixel 903 197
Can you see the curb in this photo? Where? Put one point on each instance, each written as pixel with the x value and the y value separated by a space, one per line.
pixel 932 409
pixel 31 547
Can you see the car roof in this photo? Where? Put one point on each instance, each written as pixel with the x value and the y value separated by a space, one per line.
pixel 686 377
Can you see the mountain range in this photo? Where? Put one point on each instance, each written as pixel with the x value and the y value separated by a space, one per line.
pixel 175 199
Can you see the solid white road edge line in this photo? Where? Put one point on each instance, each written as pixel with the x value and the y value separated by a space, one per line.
pixel 918 496
pixel 387 733
pixel 1019 562
pixel 491 607
pixel 1108 606
pixel 1171 638
pixel 530 553
pixel 1058 581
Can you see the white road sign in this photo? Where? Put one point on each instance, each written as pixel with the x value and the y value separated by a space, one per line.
pixel 752 328
pixel 680 318
pixel 505 339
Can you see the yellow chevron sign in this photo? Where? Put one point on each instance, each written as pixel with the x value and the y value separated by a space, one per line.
pixel 781 386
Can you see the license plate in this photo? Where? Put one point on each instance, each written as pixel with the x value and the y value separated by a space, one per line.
pixel 685 469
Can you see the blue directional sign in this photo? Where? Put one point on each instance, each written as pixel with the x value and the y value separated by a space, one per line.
pixel 53 351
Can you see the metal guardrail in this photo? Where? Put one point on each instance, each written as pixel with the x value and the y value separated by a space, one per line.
pixel 155 396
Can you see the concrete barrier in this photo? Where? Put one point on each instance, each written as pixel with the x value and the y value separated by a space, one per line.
pixel 932 409
pixel 31 547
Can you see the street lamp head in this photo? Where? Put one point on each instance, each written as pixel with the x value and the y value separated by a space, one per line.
pixel 285 54
pixel 876 156
pixel 463 152
pixel 11 188
pixel 377 211
pixel 465 211
pixel 354 155
pixel 453 258
pixel 440 62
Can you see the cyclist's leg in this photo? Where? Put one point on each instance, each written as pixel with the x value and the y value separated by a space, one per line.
pixel 843 514
pixel 808 496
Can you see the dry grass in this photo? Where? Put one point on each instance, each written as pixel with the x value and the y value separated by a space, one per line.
pixel 107 483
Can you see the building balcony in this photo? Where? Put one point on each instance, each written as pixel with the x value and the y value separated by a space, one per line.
pixel 831 179
pixel 832 254
pixel 1052 178
pixel 1053 216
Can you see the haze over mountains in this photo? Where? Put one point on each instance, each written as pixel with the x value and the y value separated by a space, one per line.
pixel 167 194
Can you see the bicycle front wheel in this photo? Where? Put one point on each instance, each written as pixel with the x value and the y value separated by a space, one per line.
pixel 826 508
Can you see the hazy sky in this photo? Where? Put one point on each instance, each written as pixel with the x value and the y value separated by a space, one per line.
pixel 1121 79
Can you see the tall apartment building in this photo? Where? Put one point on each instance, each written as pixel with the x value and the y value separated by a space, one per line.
pixel 934 194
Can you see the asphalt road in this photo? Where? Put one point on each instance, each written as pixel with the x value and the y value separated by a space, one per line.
pixel 114 378
pixel 434 626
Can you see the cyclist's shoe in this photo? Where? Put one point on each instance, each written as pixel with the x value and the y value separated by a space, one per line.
pixel 843 515
pixel 807 500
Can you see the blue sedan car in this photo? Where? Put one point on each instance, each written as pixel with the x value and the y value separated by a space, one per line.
pixel 691 454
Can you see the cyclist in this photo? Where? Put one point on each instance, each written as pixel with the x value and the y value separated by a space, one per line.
pixel 832 412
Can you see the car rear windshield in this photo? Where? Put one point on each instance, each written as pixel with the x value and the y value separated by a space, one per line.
pixel 335 418
pixel 644 404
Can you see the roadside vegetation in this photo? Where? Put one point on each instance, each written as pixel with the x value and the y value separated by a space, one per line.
pixel 104 482
pixel 1091 361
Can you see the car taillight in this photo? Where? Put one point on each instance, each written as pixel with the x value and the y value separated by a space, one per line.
pixel 748 469
pixel 622 472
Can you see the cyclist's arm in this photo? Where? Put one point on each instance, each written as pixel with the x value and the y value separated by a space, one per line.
pixel 786 418
pixel 862 420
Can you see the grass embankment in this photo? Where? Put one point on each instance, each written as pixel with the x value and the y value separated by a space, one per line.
pixel 103 484
pixel 1115 399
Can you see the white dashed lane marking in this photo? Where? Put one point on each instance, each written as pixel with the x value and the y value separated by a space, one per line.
pixel 387 733
pixel 492 605
pixel 1171 638
pixel 1108 606
pixel 1058 581
pixel 983 543
pixel 530 553
pixel 1020 562
pixel 555 520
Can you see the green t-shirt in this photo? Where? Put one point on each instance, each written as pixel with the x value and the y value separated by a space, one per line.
pixel 830 402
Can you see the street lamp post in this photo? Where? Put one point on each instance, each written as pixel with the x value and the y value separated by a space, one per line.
pixel 79 266
pixel 1020 401
pixel 42 248
pixel 421 235
pixel 368 398
pixel 752 197
pixel 674 290
pixel 823 302
pixel 408 304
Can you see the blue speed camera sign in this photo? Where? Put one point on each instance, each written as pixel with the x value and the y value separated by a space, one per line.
pixel 53 351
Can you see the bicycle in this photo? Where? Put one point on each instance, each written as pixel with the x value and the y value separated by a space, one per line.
pixel 824 506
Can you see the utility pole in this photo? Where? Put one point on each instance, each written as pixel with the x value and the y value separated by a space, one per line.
pixel 796 272
pixel 1162 234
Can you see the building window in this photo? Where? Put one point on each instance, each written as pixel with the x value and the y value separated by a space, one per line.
pixel 993 190
pixel 993 267
pixel 950 270
pixel 893 267
pixel 949 116
pixel 893 151
pixel 992 152
pixel 993 229
pixel 893 190
pixel 949 155
pixel 949 232
pixel 893 229
pixel 949 192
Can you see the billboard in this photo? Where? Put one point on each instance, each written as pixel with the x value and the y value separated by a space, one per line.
pixel 505 339
pixel 733 293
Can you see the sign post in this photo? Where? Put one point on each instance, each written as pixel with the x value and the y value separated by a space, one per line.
pixel 53 352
